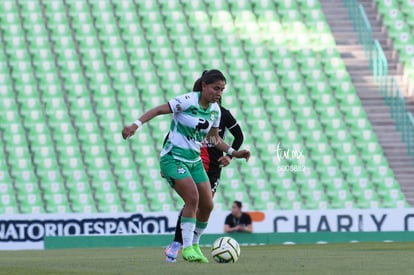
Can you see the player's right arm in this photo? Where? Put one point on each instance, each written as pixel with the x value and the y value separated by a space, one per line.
pixel 175 105
pixel 147 116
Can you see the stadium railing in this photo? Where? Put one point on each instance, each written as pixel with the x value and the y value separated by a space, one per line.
pixel 361 25
pixel 396 101
pixel 351 5
pixel 364 32
pixel 378 63
pixel 380 68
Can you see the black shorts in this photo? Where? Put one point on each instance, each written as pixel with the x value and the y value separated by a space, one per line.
pixel 214 182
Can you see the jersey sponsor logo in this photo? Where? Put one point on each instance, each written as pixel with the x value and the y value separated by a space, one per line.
pixel 202 124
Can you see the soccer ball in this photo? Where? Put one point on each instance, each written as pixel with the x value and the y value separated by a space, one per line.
pixel 225 250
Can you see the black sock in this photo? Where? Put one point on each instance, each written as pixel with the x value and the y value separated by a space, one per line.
pixel 178 235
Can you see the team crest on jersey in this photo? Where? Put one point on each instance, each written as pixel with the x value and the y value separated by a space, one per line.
pixel 180 170
pixel 178 107
pixel 213 115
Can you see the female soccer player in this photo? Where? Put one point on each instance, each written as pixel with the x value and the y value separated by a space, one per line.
pixel 213 161
pixel 195 117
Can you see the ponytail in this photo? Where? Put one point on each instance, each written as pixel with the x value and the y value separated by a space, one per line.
pixel 208 77
pixel 197 85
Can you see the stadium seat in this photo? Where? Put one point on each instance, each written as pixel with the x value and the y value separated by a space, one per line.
pixel 398 21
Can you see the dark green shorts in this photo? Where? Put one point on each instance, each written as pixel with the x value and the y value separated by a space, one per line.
pixel 173 169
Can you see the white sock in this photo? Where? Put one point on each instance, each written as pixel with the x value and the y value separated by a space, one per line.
pixel 187 231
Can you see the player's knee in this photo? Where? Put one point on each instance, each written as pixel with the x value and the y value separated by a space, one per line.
pixel 192 201
pixel 207 207
pixel 210 206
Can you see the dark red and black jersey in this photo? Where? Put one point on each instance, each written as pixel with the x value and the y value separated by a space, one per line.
pixel 210 154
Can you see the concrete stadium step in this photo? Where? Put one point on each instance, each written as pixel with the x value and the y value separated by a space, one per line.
pixel 358 52
pixel 344 39
pixel 348 32
pixel 358 77
pixel 359 68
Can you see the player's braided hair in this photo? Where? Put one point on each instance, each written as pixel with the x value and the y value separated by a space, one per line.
pixel 208 77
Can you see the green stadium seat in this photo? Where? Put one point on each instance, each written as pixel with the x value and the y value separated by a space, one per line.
pixel 316 200
pixel 56 202
pixel 83 203
pixel 136 202
pixel 219 202
pixel 109 202
pixel 368 199
pixel 8 204
pixel 30 203
pixel 342 199
pixel 158 206
pixel 398 20
pixel 7 194
pixel 290 202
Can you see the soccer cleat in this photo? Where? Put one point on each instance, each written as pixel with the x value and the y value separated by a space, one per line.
pixel 170 260
pixel 171 252
pixel 196 248
pixel 190 255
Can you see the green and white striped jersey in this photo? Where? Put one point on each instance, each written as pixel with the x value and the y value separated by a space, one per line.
pixel 189 126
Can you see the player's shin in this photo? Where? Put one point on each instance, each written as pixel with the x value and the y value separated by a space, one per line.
pixel 188 226
pixel 199 229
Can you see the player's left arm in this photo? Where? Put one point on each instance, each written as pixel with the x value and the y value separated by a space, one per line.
pixel 237 133
pixel 229 122
pixel 234 128
pixel 219 143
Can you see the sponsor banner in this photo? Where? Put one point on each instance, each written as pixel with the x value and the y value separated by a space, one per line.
pixel 346 220
pixel 28 231
pixel 33 228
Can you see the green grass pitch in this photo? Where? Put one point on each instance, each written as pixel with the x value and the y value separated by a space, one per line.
pixel 357 258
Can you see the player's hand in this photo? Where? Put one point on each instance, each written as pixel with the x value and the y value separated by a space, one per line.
pixel 129 131
pixel 224 161
pixel 242 154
